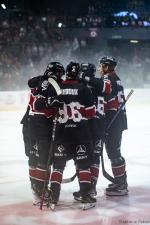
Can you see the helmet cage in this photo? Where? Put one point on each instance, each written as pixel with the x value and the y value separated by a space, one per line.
pixel 88 69
pixel 55 68
pixel 72 70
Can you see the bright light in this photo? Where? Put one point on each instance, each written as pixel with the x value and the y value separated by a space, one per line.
pixel 59 25
pixel 126 13
pixel 134 41
pixel 3 6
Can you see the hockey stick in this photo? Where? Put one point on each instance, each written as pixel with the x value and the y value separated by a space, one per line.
pixel 105 174
pixel 48 163
pixel 68 180
pixel 55 85
pixel 117 113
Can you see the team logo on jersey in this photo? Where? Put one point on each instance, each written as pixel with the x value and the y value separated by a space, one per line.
pixel 35 151
pixel 35 147
pixel 60 148
pixel 81 149
pixel 44 85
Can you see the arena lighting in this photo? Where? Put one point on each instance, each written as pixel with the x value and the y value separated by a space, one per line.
pixel 134 41
pixel 3 6
pixel 126 13
pixel 59 25
pixel 146 23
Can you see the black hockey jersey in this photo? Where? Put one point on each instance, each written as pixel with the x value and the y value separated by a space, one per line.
pixel 39 92
pixel 100 88
pixel 113 103
pixel 73 115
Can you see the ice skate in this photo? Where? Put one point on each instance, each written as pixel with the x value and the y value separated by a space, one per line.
pixel 36 199
pixel 88 202
pixel 52 206
pixel 52 200
pixel 117 189
pixel 93 191
pixel 77 196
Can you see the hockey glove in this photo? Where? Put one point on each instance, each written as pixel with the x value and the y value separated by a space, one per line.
pixel 40 104
pixel 83 77
pixel 50 75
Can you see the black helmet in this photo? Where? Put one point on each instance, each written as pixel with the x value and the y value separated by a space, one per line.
pixel 72 70
pixel 108 61
pixel 55 68
pixel 88 69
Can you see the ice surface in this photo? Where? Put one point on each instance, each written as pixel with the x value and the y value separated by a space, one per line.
pixel 16 198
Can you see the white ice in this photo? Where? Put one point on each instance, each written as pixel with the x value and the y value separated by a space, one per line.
pixel 15 194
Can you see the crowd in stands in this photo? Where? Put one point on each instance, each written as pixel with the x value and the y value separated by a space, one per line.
pixel 29 43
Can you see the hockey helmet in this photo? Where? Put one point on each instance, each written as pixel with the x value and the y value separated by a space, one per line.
pixel 55 68
pixel 72 70
pixel 88 69
pixel 108 61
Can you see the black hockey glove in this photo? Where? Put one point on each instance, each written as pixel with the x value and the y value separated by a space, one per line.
pixel 34 81
pixel 40 104
pixel 83 77
pixel 50 75
pixel 44 77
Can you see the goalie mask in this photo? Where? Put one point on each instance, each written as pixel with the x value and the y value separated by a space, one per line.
pixel 88 69
pixel 72 70
pixel 56 69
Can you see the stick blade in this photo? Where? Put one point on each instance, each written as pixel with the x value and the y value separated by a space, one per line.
pixel 55 85
pixel 68 180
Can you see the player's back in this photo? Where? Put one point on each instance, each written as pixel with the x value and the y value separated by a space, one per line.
pixel 78 107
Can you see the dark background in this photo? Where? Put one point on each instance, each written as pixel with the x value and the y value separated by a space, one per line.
pixel 76 7
pixel 36 32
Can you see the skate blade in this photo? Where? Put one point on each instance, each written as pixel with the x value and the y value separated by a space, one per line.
pixel 78 199
pixel 37 203
pixel 119 193
pixel 94 195
pixel 52 206
pixel 86 206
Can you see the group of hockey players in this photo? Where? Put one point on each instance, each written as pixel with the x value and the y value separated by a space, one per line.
pixel 67 118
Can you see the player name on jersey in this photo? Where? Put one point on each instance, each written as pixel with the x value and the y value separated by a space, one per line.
pixel 69 91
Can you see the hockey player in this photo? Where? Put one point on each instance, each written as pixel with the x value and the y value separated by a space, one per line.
pixel 99 88
pixel 114 133
pixel 29 142
pixel 30 139
pixel 42 119
pixel 73 137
